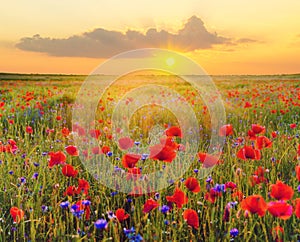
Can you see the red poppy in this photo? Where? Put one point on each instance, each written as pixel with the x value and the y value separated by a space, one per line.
pixel 56 158
pixel 226 130
pixel 192 184
pixel 105 149
pixel 72 150
pixel 247 105
pixel 298 150
pixel 247 152
pixel 162 153
pixel 274 134
pixel 280 209
pixel 258 129
pixel 174 131
pixel 69 171
pixel 150 205
pixel 230 185
pixel 254 204
pixel 191 217
pixel 292 126
pixel 70 191
pixel 212 195
pixel 130 160
pixel 121 214
pixel 179 198
pixel 17 214
pixel 65 131
pixel 263 142
pixel 208 160
pixel 297 207
pixel 169 141
pixel 258 176
pixel 125 143
pixel 29 130
pixel 95 133
pixel 281 191
pixel 297 169
pixel 84 186
pixel 251 135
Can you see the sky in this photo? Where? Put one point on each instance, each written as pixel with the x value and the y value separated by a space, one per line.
pixel 223 37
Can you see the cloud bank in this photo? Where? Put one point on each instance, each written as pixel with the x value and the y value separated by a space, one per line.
pixel 102 43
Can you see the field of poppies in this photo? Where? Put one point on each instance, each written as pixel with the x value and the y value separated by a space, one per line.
pixel 252 192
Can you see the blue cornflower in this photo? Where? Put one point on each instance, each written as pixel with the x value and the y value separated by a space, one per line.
pixel 164 209
pixel 234 232
pixel 101 224
pixel 64 204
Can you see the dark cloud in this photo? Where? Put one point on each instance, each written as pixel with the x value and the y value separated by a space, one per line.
pixel 102 43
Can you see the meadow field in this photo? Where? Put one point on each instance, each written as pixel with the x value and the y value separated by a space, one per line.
pixel 251 192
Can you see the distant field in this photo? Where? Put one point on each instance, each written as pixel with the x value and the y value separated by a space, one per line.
pixel 252 193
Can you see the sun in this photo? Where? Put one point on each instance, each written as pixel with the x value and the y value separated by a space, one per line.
pixel 170 61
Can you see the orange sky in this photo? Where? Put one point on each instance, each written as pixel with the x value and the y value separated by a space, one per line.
pixel 262 37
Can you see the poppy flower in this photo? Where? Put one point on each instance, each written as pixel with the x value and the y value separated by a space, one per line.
pixel 174 131
pixel 281 191
pixel 29 130
pixel 56 158
pixel 298 150
pixel 191 217
pixel 84 186
pixel 297 207
pixel 258 176
pixel 247 105
pixel 254 204
pixel 226 130
pixel 179 198
pixel 95 133
pixel 280 209
pixel 70 191
pixel 292 126
pixel 169 141
pixel 230 185
pixel 207 160
pixel 121 214
pixel 247 152
pixel 258 129
pixel 69 171
pixel 72 150
pixel 297 169
pixel 162 153
pixel 192 184
pixel 65 131
pixel 105 149
pixel 251 134
pixel 212 195
pixel 17 214
pixel 150 205
pixel 263 142
pixel 125 143
pixel 274 134
pixel 130 160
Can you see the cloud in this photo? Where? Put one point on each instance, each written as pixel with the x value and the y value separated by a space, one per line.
pixel 102 43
